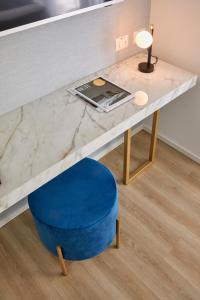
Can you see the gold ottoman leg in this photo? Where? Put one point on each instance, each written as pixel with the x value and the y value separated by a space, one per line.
pixel 118 223
pixel 61 260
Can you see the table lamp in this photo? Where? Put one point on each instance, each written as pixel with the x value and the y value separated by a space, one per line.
pixel 144 40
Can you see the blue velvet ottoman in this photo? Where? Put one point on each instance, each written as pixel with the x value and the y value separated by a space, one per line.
pixel 76 214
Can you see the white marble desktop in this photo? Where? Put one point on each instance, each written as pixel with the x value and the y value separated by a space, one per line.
pixel 42 139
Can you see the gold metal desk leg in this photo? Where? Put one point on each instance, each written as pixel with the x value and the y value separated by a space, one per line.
pixel 61 260
pixel 127 176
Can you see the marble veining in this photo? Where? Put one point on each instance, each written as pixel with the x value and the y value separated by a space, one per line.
pixel 42 139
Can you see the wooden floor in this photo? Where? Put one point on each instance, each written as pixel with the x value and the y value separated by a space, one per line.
pixel 159 256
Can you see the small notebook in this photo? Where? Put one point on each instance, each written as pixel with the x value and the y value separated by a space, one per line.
pixel 103 94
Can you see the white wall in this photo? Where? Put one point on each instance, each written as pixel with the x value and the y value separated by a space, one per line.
pixel 35 62
pixel 177 40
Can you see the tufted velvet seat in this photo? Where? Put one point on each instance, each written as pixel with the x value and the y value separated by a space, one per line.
pixel 76 213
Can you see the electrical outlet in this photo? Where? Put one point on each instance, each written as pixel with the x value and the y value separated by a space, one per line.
pixel 122 42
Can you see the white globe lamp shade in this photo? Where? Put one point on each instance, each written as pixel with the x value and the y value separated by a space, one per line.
pixel 144 39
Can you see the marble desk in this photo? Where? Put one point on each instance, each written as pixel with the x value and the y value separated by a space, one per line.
pixel 40 140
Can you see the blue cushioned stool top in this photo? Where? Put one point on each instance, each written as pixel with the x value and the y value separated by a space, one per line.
pixel 78 198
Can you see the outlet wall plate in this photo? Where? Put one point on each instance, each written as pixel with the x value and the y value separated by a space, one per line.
pixel 122 42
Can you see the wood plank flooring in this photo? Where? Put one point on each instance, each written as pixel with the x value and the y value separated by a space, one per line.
pixel 159 256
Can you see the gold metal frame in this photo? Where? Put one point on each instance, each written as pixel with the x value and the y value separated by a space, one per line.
pixel 127 176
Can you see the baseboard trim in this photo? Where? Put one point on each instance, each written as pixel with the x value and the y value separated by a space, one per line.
pixel 20 207
pixel 174 145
